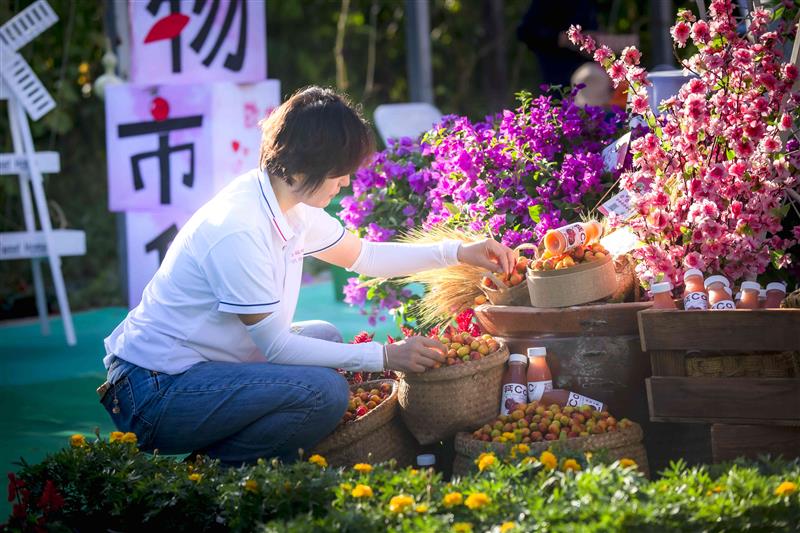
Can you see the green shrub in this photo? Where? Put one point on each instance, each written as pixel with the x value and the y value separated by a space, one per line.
pixel 103 485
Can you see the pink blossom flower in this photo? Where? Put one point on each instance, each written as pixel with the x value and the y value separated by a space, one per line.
pixel 617 72
pixel 700 32
pixel 785 122
pixel 640 104
pixel 694 260
pixel 680 32
pixel 790 72
pixel 602 54
pixel 631 56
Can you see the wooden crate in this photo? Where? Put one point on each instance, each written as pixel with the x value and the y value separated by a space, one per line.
pixel 751 415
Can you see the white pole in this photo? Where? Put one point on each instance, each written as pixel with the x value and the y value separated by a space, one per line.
pixel 37 183
pixel 30 222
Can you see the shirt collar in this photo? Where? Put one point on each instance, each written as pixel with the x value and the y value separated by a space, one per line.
pixel 282 226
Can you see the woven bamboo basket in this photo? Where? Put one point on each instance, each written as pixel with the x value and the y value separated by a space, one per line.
pixel 376 437
pixel 775 365
pixel 623 444
pixel 437 404
pixel 576 285
pixel 792 301
pixel 503 295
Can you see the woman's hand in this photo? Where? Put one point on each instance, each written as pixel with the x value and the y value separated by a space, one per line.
pixel 488 254
pixel 415 354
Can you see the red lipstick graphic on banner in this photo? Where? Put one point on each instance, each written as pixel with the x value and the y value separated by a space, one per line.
pixel 166 28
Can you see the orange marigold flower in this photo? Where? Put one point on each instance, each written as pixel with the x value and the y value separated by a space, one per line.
pixel 115 436
pixel 476 500
pixel 77 441
pixel 786 488
pixel 571 464
pixel 318 460
pixel 364 468
pixel 400 503
pixel 452 499
pixel 548 459
pixel 362 491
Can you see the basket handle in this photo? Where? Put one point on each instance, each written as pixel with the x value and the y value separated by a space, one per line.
pixel 528 246
pixel 496 280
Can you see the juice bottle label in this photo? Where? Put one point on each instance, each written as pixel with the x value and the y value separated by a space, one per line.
pixel 695 300
pixel 513 394
pixel 537 388
pixel 574 234
pixel 724 305
pixel 576 400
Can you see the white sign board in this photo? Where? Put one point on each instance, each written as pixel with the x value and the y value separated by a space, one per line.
pixel 47 162
pixel 191 41
pixel 148 236
pixel 32 244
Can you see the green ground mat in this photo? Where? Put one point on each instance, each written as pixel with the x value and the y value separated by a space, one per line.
pixel 47 389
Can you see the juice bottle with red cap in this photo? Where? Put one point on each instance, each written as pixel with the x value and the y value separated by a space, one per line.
pixel 515 383
pixel 694 294
pixel 559 240
pixel 539 378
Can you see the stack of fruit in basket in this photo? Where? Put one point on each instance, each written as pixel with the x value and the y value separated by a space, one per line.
pixel 463 347
pixel 576 256
pixel 535 422
pixel 512 279
pixel 363 401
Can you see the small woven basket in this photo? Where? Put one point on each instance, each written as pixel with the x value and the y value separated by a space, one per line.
pixel 792 301
pixel 622 444
pixel 516 295
pixel 376 437
pixel 437 404
pixel 767 365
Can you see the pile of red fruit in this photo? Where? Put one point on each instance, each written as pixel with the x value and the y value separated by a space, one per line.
pixel 512 279
pixel 363 401
pixel 581 254
pixel 463 347
pixel 535 423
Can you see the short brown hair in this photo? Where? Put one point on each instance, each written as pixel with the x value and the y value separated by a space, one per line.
pixel 317 134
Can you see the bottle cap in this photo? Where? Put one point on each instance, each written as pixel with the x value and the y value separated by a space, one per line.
pixel 751 286
pixel 426 459
pixel 518 358
pixel 776 286
pixel 738 296
pixel 539 351
pixel 717 279
pixel 692 272
pixel 728 290
pixel 658 288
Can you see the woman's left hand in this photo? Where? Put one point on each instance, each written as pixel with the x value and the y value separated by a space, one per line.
pixel 488 254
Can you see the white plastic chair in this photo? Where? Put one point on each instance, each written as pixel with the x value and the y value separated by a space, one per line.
pixel 405 120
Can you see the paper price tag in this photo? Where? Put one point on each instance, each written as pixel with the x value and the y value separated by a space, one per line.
pixel 619 205
pixel 614 154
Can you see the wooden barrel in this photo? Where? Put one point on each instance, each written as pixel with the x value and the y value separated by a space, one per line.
pixel 595 350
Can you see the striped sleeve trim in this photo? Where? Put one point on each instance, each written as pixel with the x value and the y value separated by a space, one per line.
pixel 247 309
pixel 339 238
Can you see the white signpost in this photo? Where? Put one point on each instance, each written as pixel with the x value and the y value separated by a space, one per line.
pixel 27 96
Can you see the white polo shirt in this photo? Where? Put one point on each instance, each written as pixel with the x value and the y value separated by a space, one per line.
pixel 238 254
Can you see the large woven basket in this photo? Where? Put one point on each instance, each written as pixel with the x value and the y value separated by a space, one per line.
pixel 768 365
pixel 576 285
pixel 376 437
pixel 437 404
pixel 623 444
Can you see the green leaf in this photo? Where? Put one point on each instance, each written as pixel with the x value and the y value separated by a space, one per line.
pixel 451 207
pixel 535 212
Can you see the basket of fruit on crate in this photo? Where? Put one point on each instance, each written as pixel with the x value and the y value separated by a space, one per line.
pixel 509 288
pixel 459 395
pixel 561 277
pixel 541 427
pixel 370 430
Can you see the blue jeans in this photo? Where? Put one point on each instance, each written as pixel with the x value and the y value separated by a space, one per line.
pixel 236 412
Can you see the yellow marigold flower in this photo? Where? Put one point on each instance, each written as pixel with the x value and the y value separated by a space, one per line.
pixel 421 508
pixel 77 441
pixel 462 527
pixel 364 468
pixel 589 456
pixel 508 435
pixel 251 485
pixel 786 488
pixel 528 460
pixel 548 459
pixel 362 491
pixel 318 460
pixel 571 464
pixel 485 460
pixel 398 504
pixel 129 438
pixel 507 526
pixel 83 68
pixel 452 499
pixel 196 477
pixel 625 463
pixel 345 486
pixel 476 500
pixel 521 449
pixel 413 472
pixel 717 488
pixel 115 436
